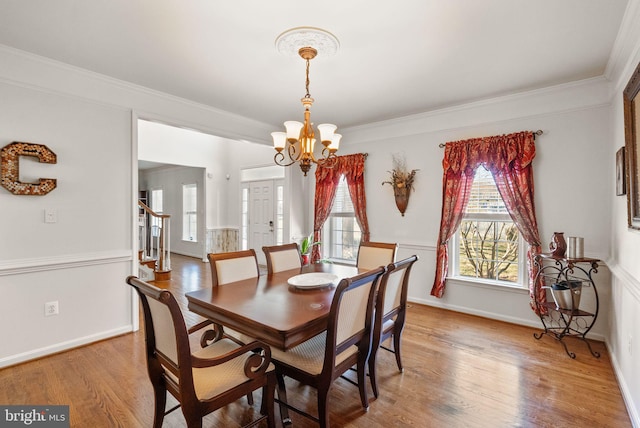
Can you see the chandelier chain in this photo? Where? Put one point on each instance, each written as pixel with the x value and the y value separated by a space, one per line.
pixel 307 81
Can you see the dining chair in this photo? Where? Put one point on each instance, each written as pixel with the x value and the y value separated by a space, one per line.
pixel 282 257
pixel 207 379
pixel 374 254
pixel 227 268
pixel 320 360
pixel 390 313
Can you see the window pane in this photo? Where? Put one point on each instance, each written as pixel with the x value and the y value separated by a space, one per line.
pixel 484 196
pixel 489 249
pixel 279 214
pixel 189 212
pixel 342 234
pixel 156 207
pixel 244 232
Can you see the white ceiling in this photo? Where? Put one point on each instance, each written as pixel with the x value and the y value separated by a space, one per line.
pixel 395 58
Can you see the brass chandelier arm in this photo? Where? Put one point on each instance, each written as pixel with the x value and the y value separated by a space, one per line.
pixel 328 153
pixel 279 158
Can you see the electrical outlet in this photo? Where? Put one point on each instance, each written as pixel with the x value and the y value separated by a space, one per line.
pixel 51 308
pixel 630 345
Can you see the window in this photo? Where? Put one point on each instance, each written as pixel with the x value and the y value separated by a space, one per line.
pixel 190 212
pixel 156 207
pixel 244 227
pixel 279 226
pixel 341 235
pixel 487 245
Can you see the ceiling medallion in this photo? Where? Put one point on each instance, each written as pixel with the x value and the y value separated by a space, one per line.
pixel 290 42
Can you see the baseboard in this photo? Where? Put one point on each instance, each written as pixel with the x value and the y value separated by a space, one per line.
pixel 494 316
pixel 62 346
pixel 624 389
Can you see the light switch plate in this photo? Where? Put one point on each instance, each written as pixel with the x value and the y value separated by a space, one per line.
pixel 50 215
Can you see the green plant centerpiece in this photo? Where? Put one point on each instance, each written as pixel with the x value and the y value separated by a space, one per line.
pixel 306 246
pixel 402 182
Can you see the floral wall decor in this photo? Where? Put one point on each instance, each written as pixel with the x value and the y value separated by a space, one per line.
pixel 402 182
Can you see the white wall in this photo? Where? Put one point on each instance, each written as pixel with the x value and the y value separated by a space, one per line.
pixel 80 261
pixel 624 321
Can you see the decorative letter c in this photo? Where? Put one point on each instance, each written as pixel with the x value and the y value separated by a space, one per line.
pixel 10 156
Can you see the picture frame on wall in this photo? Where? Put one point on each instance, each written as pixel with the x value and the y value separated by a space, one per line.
pixel 632 147
pixel 621 185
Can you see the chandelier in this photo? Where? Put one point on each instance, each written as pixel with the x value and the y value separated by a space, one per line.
pixel 297 143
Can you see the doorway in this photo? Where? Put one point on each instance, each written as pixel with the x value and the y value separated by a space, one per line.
pixel 263 216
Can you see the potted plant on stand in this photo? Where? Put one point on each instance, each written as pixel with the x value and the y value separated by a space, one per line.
pixel 305 248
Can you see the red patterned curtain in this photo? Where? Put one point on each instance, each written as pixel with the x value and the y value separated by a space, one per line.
pixel 352 167
pixel 509 158
pixel 353 170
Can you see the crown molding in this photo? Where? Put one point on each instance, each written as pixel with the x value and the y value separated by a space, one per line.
pixel 573 96
pixel 626 48
pixel 45 74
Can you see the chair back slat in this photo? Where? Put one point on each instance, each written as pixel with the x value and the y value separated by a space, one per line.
pixel 282 257
pixel 285 260
pixel 352 312
pixel 233 266
pixel 374 254
pixel 393 290
pixel 163 330
pixel 392 293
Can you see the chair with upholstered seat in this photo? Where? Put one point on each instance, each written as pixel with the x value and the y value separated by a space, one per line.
pixel 320 360
pixel 282 257
pixel 390 313
pixel 205 380
pixel 374 254
pixel 231 267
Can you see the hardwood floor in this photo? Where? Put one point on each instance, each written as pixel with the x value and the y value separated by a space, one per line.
pixel 460 371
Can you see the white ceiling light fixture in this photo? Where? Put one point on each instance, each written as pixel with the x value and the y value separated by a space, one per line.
pixel 297 143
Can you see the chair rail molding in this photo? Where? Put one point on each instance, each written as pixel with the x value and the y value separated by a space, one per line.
pixel 69 261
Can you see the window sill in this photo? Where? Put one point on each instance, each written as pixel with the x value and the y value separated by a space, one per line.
pixel 488 284
pixel 341 262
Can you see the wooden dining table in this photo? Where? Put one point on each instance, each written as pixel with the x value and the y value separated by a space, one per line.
pixel 268 308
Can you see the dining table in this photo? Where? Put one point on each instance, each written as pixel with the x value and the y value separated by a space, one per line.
pixel 282 309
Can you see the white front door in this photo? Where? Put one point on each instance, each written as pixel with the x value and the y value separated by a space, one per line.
pixel 262 221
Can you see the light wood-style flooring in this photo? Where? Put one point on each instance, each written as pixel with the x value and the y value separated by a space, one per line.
pixel 460 371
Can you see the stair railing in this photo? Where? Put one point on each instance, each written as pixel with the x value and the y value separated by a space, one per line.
pixel 154 237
